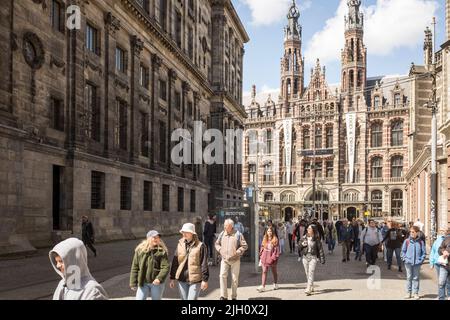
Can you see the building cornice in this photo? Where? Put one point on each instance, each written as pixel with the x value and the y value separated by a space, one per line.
pixel 166 41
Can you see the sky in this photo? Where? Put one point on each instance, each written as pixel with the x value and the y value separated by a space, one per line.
pixel 394 34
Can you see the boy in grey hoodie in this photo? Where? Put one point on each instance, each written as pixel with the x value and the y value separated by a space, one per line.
pixel 69 259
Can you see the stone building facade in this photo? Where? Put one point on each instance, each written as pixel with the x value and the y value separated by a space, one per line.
pixel 299 150
pixel 418 178
pixel 86 115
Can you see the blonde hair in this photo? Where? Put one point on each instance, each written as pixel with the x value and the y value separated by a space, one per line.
pixel 266 238
pixel 146 246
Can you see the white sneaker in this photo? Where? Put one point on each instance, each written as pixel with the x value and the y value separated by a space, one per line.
pixel 275 286
pixel 308 292
pixel 408 296
pixel 261 289
pixel 416 297
pixel 299 259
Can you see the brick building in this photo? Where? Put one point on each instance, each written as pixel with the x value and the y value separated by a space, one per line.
pixel 86 115
pixel 418 178
pixel 311 134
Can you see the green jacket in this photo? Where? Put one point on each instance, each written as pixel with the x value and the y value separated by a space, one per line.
pixel 151 265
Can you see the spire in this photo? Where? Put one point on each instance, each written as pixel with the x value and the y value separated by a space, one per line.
pixel 253 92
pixel 355 18
pixel 293 31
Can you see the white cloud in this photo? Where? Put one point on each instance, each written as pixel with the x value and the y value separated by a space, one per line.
pixel 261 95
pixel 389 25
pixel 268 12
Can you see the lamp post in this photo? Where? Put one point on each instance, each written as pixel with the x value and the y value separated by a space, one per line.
pixel 433 105
pixel 313 166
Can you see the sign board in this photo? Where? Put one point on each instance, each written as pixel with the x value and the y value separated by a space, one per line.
pixel 244 217
pixel 351 143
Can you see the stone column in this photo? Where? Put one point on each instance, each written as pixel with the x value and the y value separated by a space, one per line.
pixel 156 64
pixel 196 167
pixel 172 78
pixel 112 24
pixel 185 91
pixel 137 45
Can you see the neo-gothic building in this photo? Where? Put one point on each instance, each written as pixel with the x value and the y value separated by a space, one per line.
pixel 86 115
pixel 343 150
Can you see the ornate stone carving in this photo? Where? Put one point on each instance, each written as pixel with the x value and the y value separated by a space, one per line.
pixel 186 87
pixel 112 24
pixel 173 75
pixel 137 45
pixel 156 62
pixel 123 84
pixel 33 50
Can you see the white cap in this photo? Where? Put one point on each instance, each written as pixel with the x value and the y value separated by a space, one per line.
pixel 189 228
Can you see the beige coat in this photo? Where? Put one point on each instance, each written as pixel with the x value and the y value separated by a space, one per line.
pixel 228 247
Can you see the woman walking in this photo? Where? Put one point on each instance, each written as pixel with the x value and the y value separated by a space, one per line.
pixel 311 250
pixel 330 237
pixel 190 265
pixel 413 255
pixel 269 254
pixel 283 236
pixel 150 267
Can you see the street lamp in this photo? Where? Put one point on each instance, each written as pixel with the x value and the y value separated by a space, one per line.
pixel 433 105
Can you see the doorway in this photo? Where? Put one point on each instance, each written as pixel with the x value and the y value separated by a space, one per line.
pixel 288 214
pixel 351 213
pixel 56 197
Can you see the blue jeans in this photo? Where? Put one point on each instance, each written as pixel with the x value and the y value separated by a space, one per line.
pixel 412 278
pixel 156 292
pixel 444 282
pixel 189 291
pixel 357 247
pixel 390 254
pixel 331 244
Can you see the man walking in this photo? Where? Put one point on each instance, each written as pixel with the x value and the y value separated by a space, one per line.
pixel 393 241
pixel 231 245
pixel 290 232
pixel 371 240
pixel 346 240
pixel 209 232
pixel 87 234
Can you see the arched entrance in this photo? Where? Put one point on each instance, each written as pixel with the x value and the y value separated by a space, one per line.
pixel 351 213
pixel 288 213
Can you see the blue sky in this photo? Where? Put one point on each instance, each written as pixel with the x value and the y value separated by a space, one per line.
pixel 394 36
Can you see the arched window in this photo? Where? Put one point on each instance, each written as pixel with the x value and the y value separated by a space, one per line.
pixel 377 168
pixel 377 135
pixel 269 141
pixel 268 173
pixel 252 172
pixel 306 139
pixel 268 196
pixel 318 137
pixel 329 143
pixel 397 167
pixel 397 133
pixel 397 100
pixel 376 103
pixel 396 203
pixel 377 203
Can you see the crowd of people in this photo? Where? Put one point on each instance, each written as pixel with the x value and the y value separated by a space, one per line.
pixel 189 268
pixel 310 237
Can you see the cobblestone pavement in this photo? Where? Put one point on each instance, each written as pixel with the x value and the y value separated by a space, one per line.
pixel 34 278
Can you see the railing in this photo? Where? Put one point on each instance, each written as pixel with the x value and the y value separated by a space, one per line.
pixel 376 180
pixel 397 180
pixel 268 183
